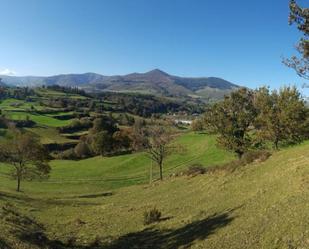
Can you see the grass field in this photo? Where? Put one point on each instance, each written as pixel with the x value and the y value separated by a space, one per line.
pixel 15 104
pixel 105 173
pixel 48 135
pixel 47 93
pixel 99 202
pixel 38 118
pixel 20 110
pixel 262 205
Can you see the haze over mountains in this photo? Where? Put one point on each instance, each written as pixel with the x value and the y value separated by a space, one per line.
pixel 153 82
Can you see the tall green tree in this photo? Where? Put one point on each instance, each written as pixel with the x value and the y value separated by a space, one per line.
pixel 102 143
pixel 300 17
pixel 281 115
pixel 232 119
pixel 26 156
pixel 104 123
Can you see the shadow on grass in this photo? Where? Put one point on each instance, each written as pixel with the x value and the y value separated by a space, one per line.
pixel 170 239
pixel 95 195
pixel 4 245
pixel 16 197
pixel 31 232
pixel 43 201
pixel 65 202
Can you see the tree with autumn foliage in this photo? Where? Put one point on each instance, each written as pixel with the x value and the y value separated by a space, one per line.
pixel 232 120
pixel 281 116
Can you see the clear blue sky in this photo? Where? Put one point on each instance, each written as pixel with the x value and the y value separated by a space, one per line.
pixel 240 40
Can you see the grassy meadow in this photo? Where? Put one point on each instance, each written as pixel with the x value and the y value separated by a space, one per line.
pixel 99 202
pixel 99 174
pixel 262 205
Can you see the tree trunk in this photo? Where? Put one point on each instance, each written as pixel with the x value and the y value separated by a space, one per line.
pixel 239 154
pixel 276 143
pixel 18 183
pixel 161 173
pixel 151 172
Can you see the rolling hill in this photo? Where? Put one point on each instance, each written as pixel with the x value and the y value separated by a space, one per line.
pixel 153 82
pixel 261 205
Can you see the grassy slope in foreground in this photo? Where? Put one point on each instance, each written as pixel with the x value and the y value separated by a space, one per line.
pixel 262 205
pixel 104 173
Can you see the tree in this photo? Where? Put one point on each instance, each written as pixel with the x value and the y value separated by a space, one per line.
pixel 158 146
pixel 281 115
pixel 27 157
pixel 300 17
pixel 139 139
pixel 82 150
pixel 104 123
pixel 197 125
pixel 121 140
pixel 232 119
pixel 102 143
pixel 100 137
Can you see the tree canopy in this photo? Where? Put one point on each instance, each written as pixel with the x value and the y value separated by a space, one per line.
pixel 300 17
pixel 231 119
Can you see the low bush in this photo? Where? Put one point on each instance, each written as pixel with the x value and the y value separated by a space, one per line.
pixel 256 155
pixel 152 216
pixel 195 169
pixel 76 125
pixel 247 158
pixel 67 155
pixel 24 123
pixel 82 150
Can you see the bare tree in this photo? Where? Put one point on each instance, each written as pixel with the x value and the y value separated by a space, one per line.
pixel 158 146
pixel 27 157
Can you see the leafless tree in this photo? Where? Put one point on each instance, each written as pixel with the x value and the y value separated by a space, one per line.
pixel 27 157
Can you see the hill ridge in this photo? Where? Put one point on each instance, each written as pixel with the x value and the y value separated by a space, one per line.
pixel 154 81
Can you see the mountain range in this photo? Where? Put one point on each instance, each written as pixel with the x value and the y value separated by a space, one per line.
pixel 154 82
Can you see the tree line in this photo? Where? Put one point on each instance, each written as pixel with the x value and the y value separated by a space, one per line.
pixel 252 119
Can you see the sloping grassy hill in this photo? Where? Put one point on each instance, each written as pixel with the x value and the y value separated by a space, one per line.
pixel 98 174
pixel 261 205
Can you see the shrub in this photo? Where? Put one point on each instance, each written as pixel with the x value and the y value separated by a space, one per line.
pixel 249 157
pixel 197 125
pixel 122 140
pixel 256 155
pixel 24 123
pixel 152 216
pixel 76 125
pixel 82 150
pixel 195 169
pixel 3 122
pixel 68 154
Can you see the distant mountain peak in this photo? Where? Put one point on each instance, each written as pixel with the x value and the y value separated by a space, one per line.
pixel 158 72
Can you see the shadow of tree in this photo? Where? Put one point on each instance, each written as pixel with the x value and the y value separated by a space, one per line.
pixel 16 197
pixel 70 201
pixel 170 239
pixel 95 195
pixel 26 229
pixel 4 245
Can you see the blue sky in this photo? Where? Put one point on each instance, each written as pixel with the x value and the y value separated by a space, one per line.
pixel 241 40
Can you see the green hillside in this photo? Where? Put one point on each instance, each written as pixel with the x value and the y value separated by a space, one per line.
pixel 262 205
pixel 99 174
